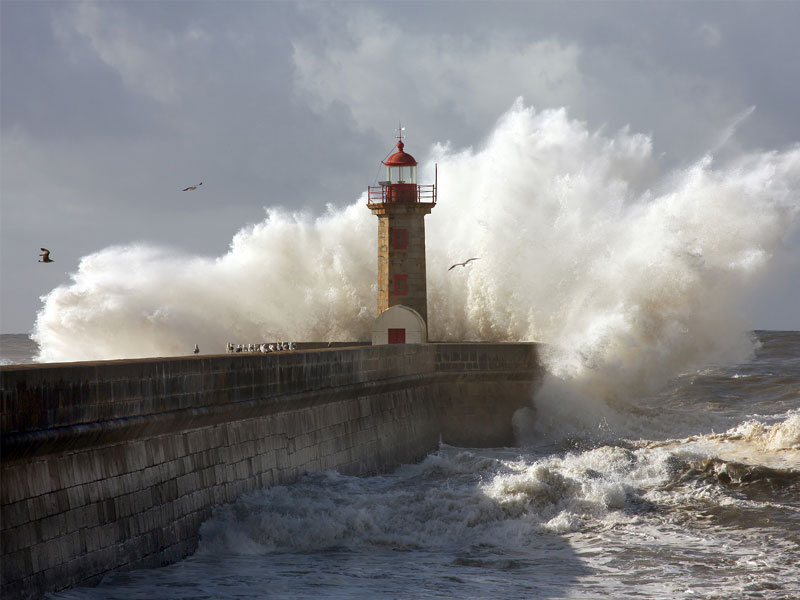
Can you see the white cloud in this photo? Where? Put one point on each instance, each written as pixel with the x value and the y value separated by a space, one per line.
pixel 710 35
pixel 144 58
pixel 370 64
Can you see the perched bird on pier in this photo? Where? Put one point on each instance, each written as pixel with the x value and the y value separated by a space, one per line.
pixel 45 256
pixel 464 264
pixel 192 187
pixel 196 349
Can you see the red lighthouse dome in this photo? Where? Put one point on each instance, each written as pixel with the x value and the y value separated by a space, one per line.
pixel 401 167
pixel 400 158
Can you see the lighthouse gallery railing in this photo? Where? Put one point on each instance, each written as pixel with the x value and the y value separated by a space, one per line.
pixel 388 194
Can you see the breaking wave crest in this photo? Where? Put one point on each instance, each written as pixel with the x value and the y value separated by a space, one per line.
pixel 755 479
pixel 784 435
pixel 631 274
pixel 488 499
pixel 757 443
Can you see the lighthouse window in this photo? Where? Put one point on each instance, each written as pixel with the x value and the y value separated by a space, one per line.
pixel 406 174
pixel 400 285
pixel 399 239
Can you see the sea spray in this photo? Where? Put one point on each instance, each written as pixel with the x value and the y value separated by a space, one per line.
pixel 291 277
pixel 631 275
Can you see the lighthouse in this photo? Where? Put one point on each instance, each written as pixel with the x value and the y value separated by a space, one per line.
pixel 401 205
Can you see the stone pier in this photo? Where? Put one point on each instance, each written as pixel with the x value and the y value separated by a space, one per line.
pixel 114 465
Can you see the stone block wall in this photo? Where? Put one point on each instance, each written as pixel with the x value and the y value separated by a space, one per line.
pixel 114 465
pixel 409 261
pixel 480 386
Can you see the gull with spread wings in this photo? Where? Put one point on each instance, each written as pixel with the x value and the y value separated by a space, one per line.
pixel 45 256
pixel 192 187
pixel 464 264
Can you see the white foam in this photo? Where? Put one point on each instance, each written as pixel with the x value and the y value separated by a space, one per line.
pixel 755 442
pixel 784 435
pixel 451 496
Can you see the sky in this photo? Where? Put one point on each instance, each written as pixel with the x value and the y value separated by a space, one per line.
pixel 109 109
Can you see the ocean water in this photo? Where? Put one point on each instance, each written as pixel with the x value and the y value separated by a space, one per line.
pixel 692 491
pixel 17 348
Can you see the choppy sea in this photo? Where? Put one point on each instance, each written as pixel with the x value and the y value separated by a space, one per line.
pixel 702 502
pixel 17 348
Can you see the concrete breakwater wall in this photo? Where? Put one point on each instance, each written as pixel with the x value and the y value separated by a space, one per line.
pixel 114 465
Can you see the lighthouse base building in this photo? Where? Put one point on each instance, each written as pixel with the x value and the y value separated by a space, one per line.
pixel 399 325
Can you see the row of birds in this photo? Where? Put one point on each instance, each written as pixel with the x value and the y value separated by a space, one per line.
pixel 46 253
pixel 263 348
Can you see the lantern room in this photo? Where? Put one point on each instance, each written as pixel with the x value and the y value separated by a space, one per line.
pixel 401 167
pixel 400 185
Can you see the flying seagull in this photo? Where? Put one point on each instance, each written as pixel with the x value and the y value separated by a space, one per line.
pixel 45 255
pixel 192 187
pixel 464 264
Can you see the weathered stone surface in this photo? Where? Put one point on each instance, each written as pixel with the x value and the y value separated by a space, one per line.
pixel 409 260
pixel 114 465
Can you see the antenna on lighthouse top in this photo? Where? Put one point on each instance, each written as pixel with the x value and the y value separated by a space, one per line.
pixel 400 130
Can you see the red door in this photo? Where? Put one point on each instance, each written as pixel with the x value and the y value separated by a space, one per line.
pixel 397 336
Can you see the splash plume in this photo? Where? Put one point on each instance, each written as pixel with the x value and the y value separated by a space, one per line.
pixel 629 273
